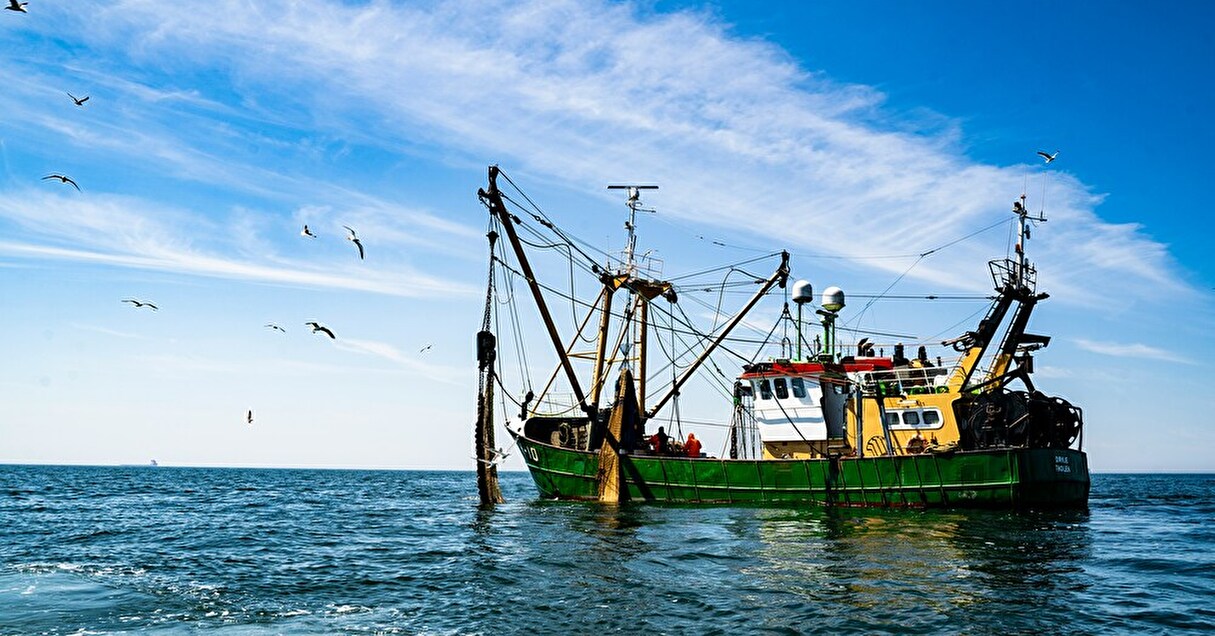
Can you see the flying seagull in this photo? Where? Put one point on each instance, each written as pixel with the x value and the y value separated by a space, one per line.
pixel 62 178
pixel 1048 158
pixel 79 100
pixel 307 232
pixel 354 238
pixel 249 416
pixel 423 349
pixel 140 303
pixel 316 328
pixel 498 456
pixel 13 5
pixel 276 327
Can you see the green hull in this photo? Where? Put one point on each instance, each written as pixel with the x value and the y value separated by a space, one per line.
pixel 998 478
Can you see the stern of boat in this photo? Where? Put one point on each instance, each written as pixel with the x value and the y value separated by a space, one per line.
pixel 1053 478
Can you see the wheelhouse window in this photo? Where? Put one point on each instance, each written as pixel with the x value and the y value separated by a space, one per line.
pixel 799 387
pixel 765 390
pixel 913 418
pixel 782 389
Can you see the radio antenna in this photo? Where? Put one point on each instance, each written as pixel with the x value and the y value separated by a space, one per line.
pixel 634 203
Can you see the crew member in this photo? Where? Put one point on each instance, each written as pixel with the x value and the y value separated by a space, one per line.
pixel 692 446
pixel 660 442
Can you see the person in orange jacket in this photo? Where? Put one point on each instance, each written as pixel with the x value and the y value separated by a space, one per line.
pixel 692 446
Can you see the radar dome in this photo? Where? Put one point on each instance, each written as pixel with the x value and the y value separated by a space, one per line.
pixel 803 292
pixel 833 299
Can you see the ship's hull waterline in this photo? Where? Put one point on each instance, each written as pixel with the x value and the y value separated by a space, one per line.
pixel 995 478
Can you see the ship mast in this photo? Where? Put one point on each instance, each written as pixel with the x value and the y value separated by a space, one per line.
pixel 493 200
pixel 629 272
pixel 1016 282
pixel 1023 235
pixel 1024 285
pixel 634 203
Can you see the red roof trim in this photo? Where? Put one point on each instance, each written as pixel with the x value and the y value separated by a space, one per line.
pixel 769 369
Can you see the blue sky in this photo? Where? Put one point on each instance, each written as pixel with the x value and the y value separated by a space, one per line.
pixel 839 131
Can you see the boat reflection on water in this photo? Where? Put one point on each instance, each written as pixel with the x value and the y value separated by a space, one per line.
pixel 925 568
pixel 635 567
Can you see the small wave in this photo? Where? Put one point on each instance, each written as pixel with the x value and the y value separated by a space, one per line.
pixel 47 568
pixel 349 609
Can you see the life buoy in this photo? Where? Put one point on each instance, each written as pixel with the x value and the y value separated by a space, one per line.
pixel 916 445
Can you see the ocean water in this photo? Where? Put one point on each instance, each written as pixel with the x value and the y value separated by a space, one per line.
pixel 105 550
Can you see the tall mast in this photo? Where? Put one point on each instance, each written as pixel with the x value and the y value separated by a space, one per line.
pixel 1024 281
pixel 634 203
pixel 1023 235
pixel 630 273
pixel 1015 280
pixel 493 199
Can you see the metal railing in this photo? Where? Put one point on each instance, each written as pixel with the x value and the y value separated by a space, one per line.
pixel 905 380
pixel 1006 272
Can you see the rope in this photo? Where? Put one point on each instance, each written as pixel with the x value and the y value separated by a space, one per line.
pixel 921 256
pixel 959 240
pixel 542 219
pixel 809 446
pixel 674 420
pixel 888 288
pixel 774 326
pixel 724 267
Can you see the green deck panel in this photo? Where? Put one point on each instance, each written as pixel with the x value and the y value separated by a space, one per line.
pixel 989 478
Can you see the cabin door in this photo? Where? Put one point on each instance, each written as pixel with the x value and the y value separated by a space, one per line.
pixel 835 400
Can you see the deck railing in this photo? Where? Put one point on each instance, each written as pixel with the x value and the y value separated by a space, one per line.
pixel 906 380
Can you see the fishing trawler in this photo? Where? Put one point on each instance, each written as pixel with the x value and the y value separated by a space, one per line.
pixel 818 423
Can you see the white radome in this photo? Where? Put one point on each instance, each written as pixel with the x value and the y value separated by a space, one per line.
pixel 803 292
pixel 833 299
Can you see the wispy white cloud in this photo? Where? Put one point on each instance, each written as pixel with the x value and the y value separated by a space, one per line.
pixel 719 121
pixel 577 93
pixel 133 233
pixel 107 331
pixel 176 153
pixel 1131 350
pixel 410 361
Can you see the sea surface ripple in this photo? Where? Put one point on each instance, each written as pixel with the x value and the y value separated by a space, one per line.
pixel 104 550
